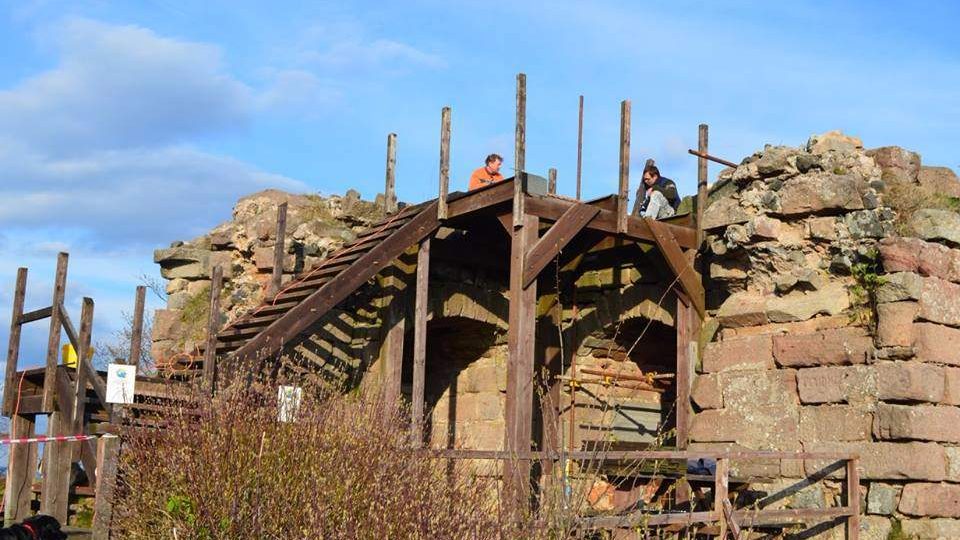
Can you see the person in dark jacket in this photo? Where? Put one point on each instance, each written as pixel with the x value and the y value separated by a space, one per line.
pixel 657 197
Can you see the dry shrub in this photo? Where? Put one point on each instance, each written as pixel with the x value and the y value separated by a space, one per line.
pixel 907 198
pixel 227 468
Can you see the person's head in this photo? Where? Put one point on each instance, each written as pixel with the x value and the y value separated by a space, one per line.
pixel 650 175
pixel 493 163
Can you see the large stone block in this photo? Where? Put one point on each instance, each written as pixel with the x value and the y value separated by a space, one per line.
pixel 900 254
pixel 820 192
pixel 743 309
pixel 897 164
pixel 909 381
pixel 883 498
pixel 932 500
pixel 900 286
pixel 716 425
pixel 939 181
pixel 940 528
pixel 895 323
pixel 833 141
pixel 853 384
pixel 887 460
pixel 936 225
pixel 830 299
pixel 940 301
pixel 951 386
pixel 936 343
pixel 726 211
pixel 167 324
pixel 875 528
pixel 834 423
pixel 706 392
pixel 827 347
pixel 755 352
pixel 917 422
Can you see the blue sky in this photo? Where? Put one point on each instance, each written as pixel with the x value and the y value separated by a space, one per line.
pixel 126 125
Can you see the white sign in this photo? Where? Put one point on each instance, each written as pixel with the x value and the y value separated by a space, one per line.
pixel 121 381
pixel 289 400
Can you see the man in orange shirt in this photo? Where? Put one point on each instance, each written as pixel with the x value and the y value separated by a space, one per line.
pixel 488 174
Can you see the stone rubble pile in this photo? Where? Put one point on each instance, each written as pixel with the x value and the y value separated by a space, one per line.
pixel 836 326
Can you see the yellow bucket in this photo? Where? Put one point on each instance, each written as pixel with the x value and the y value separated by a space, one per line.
pixel 69 355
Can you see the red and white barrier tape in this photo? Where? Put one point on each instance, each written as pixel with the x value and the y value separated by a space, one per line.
pixel 55 438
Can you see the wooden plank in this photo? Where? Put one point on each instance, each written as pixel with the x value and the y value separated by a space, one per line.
pixel 80 385
pixel 53 338
pixel 556 238
pixel 520 151
pixel 684 375
pixel 420 313
pixel 644 455
pixel 672 252
pixel 68 328
pixel 731 520
pixel 579 146
pixel 623 192
pixel 392 355
pixel 136 332
pixel 444 163
pixel 520 361
pixel 390 182
pixel 279 250
pixel 57 456
pixel 107 452
pixel 853 499
pixel 13 341
pixel 316 305
pixel 36 315
pixel 552 181
pixel 483 198
pixel 702 194
pixel 213 325
pixel 606 221
pixel 721 489
pixel 21 466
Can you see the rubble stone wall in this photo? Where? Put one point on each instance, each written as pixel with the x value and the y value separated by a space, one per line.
pixel 836 326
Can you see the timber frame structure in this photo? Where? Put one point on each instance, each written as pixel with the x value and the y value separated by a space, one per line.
pixel 541 233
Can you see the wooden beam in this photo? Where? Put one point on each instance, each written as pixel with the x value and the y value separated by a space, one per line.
pixel 721 488
pixel 606 221
pixel 108 448
pixel 301 316
pixel 136 333
pixel 624 189
pixel 421 306
pixel 68 328
pixel 444 163
pixel 685 337
pixel 80 385
pixel 36 315
pixel 213 326
pixel 279 250
pixel 53 338
pixel 520 150
pixel 579 146
pixel 552 181
pixel 672 252
pixel 58 455
pixel 389 189
pixel 392 355
pixel 481 199
pixel 702 194
pixel 556 238
pixel 521 351
pixel 13 341
pixel 21 467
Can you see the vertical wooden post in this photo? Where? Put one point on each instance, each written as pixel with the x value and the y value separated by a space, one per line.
pixel 444 163
pixel 520 151
pixel 720 491
pixel 624 191
pixel 421 308
pixel 80 388
pixel 136 334
pixel 853 498
pixel 684 379
pixel 579 146
pixel 53 339
pixel 57 455
pixel 107 453
pixel 552 181
pixel 279 250
pixel 13 342
pixel 390 184
pixel 701 179
pixel 213 326
pixel 393 356
pixel 21 466
pixel 521 335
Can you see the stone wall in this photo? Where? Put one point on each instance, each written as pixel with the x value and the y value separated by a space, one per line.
pixel 830 331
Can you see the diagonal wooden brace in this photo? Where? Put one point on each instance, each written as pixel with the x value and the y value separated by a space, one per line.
pixel 573 220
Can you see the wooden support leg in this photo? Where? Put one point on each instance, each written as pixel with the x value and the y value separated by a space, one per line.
pixel 521 343
pixel 420 339
pixel 393 359
pixel 13 343
pixel 684 323
pixel 720 493
pixel 853 499
pixel 53 339
pixel 55 490
pixel 107 452
pixel 21 467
